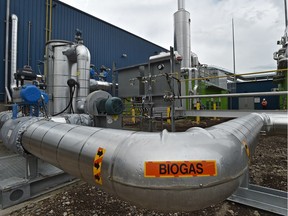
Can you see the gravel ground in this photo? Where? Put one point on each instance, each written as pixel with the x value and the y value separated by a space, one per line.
pixel 268 168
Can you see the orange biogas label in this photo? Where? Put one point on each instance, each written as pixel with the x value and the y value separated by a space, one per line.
pixel 166 169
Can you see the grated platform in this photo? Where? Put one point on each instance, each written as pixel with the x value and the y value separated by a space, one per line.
pixel 17 186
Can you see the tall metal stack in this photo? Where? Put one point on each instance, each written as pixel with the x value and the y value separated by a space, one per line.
pixel 182 36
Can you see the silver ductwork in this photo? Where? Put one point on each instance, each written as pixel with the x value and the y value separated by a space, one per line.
pixel 58 72
pixel 182 37
pixel 100 85
pixel 66 60
pixel 181 4
pixel 83 70
pixel 7 95
pixel 165 171
pixel 14 40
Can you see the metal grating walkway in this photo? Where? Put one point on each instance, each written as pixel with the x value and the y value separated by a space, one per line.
pixel 13 178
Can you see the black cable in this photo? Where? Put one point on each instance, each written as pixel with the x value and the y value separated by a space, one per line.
pixel 71 98
pixel 71 91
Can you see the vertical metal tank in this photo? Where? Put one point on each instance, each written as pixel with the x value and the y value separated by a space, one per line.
pixel 182 37
pixel 58 70
pixel 66 60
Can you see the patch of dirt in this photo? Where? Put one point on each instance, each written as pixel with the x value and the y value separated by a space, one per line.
pixel 268 168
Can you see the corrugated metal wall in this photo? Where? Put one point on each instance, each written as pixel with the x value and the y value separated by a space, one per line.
pixel 260 86
pixel 107 43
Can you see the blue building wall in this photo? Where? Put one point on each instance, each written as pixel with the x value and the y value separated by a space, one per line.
pixel 107 43
pixel 260 86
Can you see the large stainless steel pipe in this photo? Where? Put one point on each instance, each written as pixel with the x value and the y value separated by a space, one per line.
pixel 100 85
pixel 182 37
pixel 276 124
pixel 165 171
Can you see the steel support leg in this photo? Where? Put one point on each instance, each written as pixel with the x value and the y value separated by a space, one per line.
pixel 264 198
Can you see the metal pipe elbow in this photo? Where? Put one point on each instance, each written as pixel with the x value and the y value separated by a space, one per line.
pixel 164 171
pixel 275 124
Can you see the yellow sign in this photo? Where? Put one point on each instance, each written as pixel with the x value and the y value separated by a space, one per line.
pixel 98 165
pixel 172 169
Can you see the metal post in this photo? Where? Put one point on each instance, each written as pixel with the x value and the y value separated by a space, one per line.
pixel 31 171
pixel 172 86
pixel 233 39
pixel 114 79
pixel 234 64
pixel 149 93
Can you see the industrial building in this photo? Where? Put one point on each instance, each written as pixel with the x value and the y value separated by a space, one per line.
pixel 63 123
pixel 42 20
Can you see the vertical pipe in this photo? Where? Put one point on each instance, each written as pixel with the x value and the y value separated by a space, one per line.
pixel 196 85
pixel 7 95
pixel 286 18
pixel 14 40
pixel 172 86
pixel 181 4
pixel 46 24
pixel 29 42
pixel 234 67
pixel 114 79
pixel 234 62
pixel 50 20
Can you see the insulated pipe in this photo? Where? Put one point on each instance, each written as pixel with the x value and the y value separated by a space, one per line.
pixel 14 39
pixel 165 171
pixel 58 72
pixel 83 70
pixel 7 53
pixel 275 124
pixel 182 38
pixel 100 85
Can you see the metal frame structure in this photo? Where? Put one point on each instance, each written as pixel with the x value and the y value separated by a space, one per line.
pixel 24 178
pixel 263 198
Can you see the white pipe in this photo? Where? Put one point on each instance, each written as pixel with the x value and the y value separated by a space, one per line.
pixel 14 37
pixel 182 38
pixel 7 53
pixel 165 171
pixel 83 68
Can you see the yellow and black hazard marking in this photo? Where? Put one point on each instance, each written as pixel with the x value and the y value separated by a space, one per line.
pixel 244 142
pixel 98 165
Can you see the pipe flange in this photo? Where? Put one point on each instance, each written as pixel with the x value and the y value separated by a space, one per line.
pixel 23 126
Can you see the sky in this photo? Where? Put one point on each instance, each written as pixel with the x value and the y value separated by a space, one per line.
pixel 258 24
